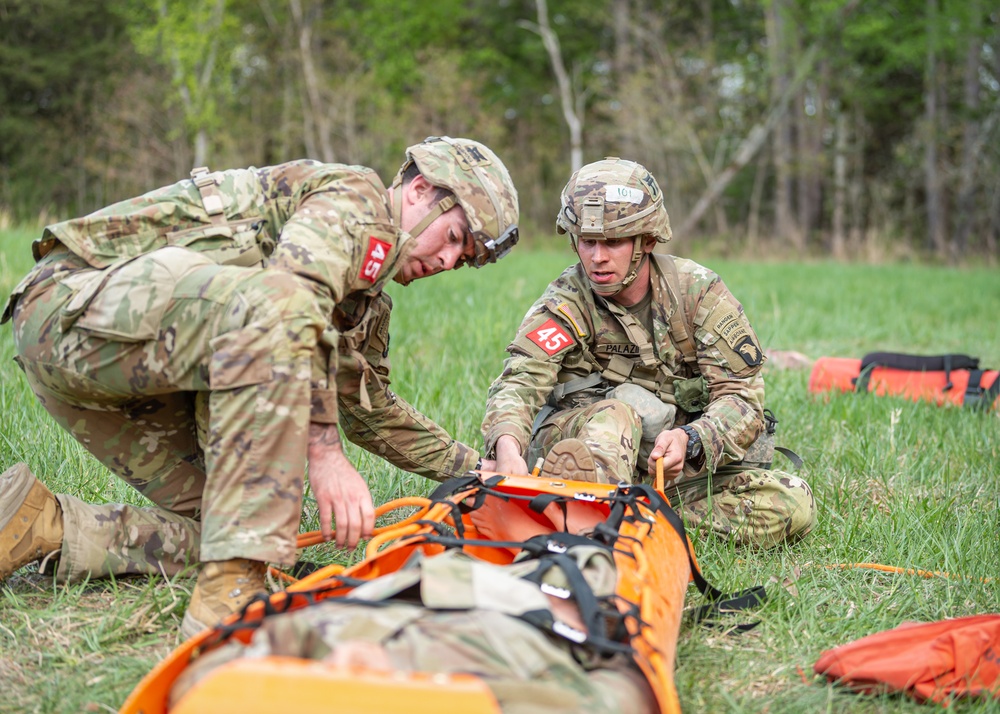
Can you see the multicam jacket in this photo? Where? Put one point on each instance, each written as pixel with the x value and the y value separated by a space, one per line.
pixel 570 335
pixel 330 225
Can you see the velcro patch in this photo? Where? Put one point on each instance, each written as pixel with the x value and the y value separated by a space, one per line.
pixel 470 156
pixel 749 351
pixel 551 337
pixel 615 193
pixel 729 326
pixel 628 350
pixel 378 251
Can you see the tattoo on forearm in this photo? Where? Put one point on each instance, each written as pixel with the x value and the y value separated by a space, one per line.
pixel 324 435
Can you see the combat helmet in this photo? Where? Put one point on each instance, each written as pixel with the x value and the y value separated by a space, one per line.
pixel 478 182
pixel 612 199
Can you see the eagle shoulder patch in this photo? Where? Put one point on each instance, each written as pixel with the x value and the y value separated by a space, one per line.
pixel 733 329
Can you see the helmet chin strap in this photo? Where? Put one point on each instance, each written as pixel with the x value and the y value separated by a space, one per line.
pixel 639 257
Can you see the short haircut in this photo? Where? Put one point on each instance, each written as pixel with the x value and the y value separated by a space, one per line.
pixel 412 172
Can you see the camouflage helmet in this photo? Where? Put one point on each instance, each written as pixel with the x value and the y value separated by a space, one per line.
pixel 610 199
pixel 479 183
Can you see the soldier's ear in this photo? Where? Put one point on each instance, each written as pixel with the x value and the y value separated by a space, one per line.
pixel 418 190
pixel 648 243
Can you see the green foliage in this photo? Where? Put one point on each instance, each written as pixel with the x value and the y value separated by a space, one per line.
pixel 100 101
pixel 58 59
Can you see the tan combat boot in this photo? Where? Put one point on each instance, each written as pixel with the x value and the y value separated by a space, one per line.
pixel 31 523
pixel 223 588
pixel 570 460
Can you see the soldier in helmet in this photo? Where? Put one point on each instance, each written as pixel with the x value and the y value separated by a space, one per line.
pixel 204 340
pixel 631 356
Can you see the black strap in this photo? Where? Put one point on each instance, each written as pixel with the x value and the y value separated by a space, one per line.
pixel 791 456
pixel 594 617
pixel 919 363
pixel 973 390
pixel 913 363
pixel 990 394
pixel 718 602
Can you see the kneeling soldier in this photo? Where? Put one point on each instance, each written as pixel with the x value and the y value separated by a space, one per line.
pixel 630 356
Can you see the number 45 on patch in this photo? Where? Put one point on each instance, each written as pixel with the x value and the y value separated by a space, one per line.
pixel 374 259
pixel 550 337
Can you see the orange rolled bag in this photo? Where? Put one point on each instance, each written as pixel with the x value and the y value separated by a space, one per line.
pixel 941 379
pixel 935 661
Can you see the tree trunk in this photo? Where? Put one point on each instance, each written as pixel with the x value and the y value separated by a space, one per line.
pixel 965 202
pixel 782 141
pixel 623 65
pixel 319 114
pixel 857 210
pixel 572 111
pixel 751 144
pixel 932 181
pixel 811 117
pixel 753 218
pixel 838 239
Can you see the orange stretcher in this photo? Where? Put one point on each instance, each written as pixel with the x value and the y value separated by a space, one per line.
pixel 940 379
pixel 654 563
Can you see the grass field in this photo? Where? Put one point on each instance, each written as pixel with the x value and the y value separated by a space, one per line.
pixel 898 483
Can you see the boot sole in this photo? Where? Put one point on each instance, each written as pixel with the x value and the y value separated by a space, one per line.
pixel 570 460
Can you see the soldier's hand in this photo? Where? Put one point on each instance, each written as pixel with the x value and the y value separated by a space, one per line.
pixel 509 460
pixel 671 445
pixel 340 491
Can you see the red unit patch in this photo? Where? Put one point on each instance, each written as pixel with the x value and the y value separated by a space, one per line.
pixel 551 337
pixel 374 259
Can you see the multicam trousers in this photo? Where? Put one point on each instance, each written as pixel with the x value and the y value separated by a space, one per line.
pixel 189 381
pixel 752 506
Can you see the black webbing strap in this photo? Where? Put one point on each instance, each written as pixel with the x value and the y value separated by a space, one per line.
pixel 978 396
pixel 990 394
pixel 791 456
pixel 973 390
pixel 593 615
pixel 718 602
pixel 913 363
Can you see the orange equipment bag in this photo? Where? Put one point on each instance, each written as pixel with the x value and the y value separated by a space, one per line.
pixel 492 519
pixel 936 661
pixel 942 379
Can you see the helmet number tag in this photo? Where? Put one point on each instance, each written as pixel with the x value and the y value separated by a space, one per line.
pixel 616 193
pixel 551 337
pixel 378 250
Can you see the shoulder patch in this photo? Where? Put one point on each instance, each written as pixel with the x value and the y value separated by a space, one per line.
pixel 749 351
pixel 737 341
pixel 728 325
pixel 552 338
pixel 371 266
pixel 564 309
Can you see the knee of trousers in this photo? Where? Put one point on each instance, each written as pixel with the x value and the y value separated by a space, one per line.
pixel 790 502
pixel 613 431
pixel 617 416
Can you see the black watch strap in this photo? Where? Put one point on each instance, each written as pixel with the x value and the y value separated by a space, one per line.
pixel 694 447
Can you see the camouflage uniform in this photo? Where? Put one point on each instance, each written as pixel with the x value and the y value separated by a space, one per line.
pixel 468 618
pixel 188 337
pixel 703 362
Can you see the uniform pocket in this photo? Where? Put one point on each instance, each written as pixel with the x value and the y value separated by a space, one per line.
pixel 126 302
pixel 242 243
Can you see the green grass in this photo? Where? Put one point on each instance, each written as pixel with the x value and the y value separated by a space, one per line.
pixel 899 483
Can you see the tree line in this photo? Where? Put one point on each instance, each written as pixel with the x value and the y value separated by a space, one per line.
pixel 851 128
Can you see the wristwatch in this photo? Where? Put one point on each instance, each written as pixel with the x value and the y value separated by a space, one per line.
pixel 694 447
